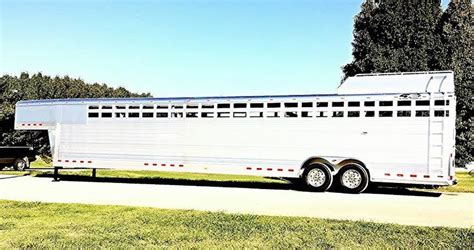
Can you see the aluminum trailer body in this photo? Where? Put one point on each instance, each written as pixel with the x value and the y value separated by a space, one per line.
pixel 399 128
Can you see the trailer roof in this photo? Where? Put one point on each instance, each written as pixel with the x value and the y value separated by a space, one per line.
pixel 409 82
pixel 164 99
pixel 362 84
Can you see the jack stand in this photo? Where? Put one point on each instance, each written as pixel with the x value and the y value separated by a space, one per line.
pixel 56 173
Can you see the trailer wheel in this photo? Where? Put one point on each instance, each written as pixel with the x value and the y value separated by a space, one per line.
pixel 20 164
pixel 317 177
pixel 353 178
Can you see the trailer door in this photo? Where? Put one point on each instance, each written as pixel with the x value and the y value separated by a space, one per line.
pixel 438 162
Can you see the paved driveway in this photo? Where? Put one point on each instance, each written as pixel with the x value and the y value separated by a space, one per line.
pixel 412 208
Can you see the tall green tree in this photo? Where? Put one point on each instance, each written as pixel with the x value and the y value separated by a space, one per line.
pixel 363 45
pixel 416 35
pixel 39 86
pixel 457 38
pixel 395 36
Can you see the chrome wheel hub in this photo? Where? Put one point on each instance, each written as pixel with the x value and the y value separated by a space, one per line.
pixel 351 178
pixel 316 177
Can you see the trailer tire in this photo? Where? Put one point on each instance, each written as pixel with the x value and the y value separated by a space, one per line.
pixel 317 177
pixel 20 164
pixel 353 178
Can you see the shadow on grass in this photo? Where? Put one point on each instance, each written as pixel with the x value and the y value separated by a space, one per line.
pixel 170 181
pixel 232 184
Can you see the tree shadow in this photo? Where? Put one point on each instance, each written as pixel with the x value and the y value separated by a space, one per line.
pixel 373 189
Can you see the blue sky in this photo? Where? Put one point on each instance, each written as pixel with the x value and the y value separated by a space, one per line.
pixel 183 48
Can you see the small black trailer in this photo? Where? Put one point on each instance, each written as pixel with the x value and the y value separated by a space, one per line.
pixel 18 157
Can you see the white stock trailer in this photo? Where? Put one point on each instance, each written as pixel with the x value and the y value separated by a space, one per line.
pixel 394 128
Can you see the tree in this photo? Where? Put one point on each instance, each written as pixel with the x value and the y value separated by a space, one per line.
pixel 363 45
pixel 415 35
pixel 395 36
pixel 38 86
pixel 456 32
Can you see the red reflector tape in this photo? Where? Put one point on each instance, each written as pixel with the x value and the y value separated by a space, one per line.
pixel 29 124
pixel 451 177
pixel 89 161
pixel 280 169
pixel 146 164
pixel 22 124
pixel 181 165
pixel 74 161
pixel 259 168
pixel 249 168
pixel 40 124
pixel 269 169
pixel 82 161
pixel 59 160
pixel 426 176
pixel 163 165
pixel 413 175
pixel 387 174
pixel 291 170
pixel 171 165
pixel 34 124
pixel 400 175
pixel 154 164
pixel 66 160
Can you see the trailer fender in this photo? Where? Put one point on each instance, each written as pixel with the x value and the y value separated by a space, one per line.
pixel 334 163
pixel 340 165
pixel 316 159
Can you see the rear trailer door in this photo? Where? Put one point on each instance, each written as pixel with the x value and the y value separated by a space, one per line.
pixel 440 148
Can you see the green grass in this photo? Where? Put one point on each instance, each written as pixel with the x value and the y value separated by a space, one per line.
pixel 46 225
pixel 40 163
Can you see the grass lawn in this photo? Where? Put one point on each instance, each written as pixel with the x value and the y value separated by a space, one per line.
pixel 46 225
